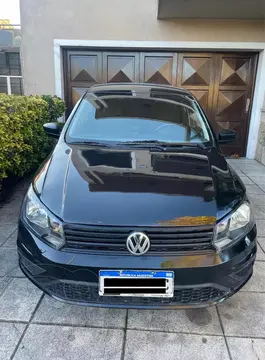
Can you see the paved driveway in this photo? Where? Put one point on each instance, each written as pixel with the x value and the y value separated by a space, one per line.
pixel 33 326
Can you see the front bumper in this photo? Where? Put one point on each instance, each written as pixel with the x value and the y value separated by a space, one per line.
pixel 200 279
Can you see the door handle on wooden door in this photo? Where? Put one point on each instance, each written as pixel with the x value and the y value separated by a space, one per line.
pixel 247 105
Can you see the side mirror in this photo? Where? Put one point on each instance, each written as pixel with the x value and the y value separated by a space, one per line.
pixel 52 129
pixel 227 136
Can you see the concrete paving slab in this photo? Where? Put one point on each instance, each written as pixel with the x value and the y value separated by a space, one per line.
pixel 44 342
pixel 262 186
pixel 257 282
pixel 257 199
pixel 255 173
pixel 198 321
pixel 261 241
pixel 243 314
pixel 247 167
pixel 260 227
pixel 260 254
pixel 11 242
pixel 4 281
pixel 10 334
pixel 6 229
pixel 259 212
pixel 249 349
pixel 258 179
pixel 9 263
pixel 19 300
pixel 52 311
pixel 12 206
pixel 147 345
pixel 246 180
pixel 243 162
pixel 254 189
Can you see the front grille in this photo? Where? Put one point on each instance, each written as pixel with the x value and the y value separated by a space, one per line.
pixel 85 293
pixel 163 239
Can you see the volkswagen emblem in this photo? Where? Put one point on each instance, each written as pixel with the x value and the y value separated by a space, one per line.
pixel 138 243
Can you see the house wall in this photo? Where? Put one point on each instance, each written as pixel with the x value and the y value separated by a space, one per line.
pixel 133 20
pixel 260 153
pixel 45 20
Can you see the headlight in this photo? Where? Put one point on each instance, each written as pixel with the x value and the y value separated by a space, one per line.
pixel 234 226
pixel 41 221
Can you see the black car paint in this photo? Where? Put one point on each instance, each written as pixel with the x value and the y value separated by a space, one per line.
pixel 82 184
pixel 192 182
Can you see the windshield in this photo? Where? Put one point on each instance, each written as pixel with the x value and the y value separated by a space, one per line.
pixel 121 118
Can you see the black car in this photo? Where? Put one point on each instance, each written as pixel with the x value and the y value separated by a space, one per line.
pixel 137 206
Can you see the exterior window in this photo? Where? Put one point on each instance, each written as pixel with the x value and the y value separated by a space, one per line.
pixel 10 73
pixel 16 85
pixel 3 84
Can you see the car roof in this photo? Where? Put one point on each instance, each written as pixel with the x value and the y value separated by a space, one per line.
pixel 138 88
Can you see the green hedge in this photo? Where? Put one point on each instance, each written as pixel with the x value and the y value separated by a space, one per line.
pixel 23 143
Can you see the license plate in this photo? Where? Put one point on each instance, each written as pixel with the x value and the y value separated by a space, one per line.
pixel 136 283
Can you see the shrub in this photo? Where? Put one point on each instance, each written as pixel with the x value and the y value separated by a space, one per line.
pixel 23 143
pixel 56 106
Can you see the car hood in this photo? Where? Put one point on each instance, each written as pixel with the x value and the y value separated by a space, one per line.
pixel 139 187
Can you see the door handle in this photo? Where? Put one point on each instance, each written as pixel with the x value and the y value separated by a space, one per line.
pixel 247 105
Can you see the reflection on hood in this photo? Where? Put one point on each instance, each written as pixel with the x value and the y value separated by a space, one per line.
pixel 137 187
pixel 140 171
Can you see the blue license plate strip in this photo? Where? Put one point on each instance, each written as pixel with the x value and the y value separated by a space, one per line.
pixel 166 291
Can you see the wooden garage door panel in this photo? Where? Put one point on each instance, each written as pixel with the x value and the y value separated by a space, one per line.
pixel 235 71
pixel 230 113
pixel 233 91
pixel 222 83
pixel 86 68
pixel 83 70
pixel 120 67
pixel 77 93
pixel 158 68
pixel 196 71
pixel 202 96
pixel 231 104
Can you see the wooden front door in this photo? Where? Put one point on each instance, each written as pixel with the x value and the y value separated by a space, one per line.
pixel 232 97
pixel 222 83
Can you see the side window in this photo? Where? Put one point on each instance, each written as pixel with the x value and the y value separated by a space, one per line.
pixel 10 73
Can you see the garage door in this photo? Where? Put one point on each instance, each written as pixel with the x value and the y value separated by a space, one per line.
pixel 222 83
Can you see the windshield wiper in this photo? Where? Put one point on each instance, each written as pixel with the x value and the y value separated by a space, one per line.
pixel 161 144
pixel 91 143
pixel 189 145
pixel 141 143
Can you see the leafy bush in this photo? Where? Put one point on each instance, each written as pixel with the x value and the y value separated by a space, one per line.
pixel 23 143
pixel 56 106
